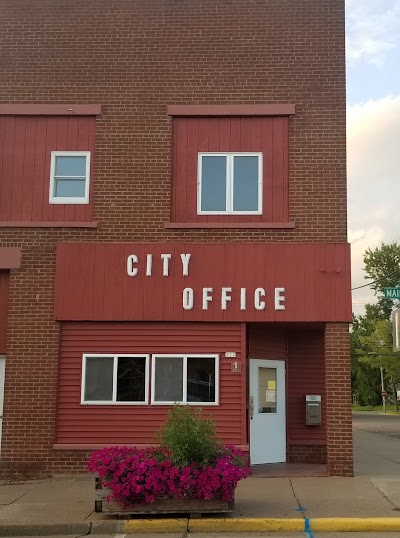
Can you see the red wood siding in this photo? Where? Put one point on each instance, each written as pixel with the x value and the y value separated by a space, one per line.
pixel 4 284
pixel 268 135
pixel 92 281
pixel 26 143
pixel 267 342
pixel 91 425
pixel 306 375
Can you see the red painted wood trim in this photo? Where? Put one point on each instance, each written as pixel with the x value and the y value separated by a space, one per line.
pixel 10 258
pixel 231 110
pixel 18 109
pixel 64 446
pixel 230 225
pixel 16 224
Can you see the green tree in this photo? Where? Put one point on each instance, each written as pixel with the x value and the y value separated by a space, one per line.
pixel 376 351
pixel 382 266
pixel 365 379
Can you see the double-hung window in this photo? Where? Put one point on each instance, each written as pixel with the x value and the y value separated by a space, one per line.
pixel 115 379
pixel 185 379
pixel 69 177
pixel 229 184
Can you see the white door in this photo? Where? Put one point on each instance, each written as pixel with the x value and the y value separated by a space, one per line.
pixel 2 378
pixel 267 412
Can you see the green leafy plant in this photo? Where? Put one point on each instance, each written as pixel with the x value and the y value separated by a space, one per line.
pixel 189 437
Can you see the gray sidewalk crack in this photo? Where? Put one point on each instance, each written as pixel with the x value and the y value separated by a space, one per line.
pixel 88 532
pixel 18 498
pixel 300 508
pixel 383 495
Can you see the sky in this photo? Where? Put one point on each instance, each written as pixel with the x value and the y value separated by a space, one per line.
pixel 373 132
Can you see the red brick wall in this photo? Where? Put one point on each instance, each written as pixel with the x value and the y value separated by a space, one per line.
pixel 307 454
pixel 338 399
pixel 134 58
pixel 4 285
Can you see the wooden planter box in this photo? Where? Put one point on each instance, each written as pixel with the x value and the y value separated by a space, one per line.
pixel 161 506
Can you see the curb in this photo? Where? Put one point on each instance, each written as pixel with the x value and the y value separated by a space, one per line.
pixel 235 525
pixel 57 529
pixel 206 525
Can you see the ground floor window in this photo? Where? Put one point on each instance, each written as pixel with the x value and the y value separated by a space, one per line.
pixel 115 379
pixel 191 379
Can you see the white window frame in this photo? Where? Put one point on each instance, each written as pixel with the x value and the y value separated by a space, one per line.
pixel 67 199
pixel 115 371
pixel 229 182
pixel 185 357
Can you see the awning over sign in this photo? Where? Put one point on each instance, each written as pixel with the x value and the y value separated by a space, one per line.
pixel 203 282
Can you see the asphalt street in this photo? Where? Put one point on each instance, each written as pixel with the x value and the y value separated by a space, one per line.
pixel 376 440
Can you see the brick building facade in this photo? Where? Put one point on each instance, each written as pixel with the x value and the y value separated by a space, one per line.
pixel 150 96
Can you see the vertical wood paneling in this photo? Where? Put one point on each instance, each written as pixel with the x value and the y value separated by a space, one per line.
pixel 18 169
pixel 124 424
pixel 225 134
pixel 4 286
pixel 306 375
pixel 267 342
pixel 7 169
pixel 39 199
pixel 98 271
pixel 29 168
pixel 26 143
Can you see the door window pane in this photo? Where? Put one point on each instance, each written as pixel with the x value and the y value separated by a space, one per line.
pixel 168 386
pixel 245 183
pixel 267 390
pixel 200 379
pixel 213 183
pixel 131 379
pixel 99 379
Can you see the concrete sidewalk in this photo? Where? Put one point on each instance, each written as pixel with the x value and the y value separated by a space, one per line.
pixel 68 503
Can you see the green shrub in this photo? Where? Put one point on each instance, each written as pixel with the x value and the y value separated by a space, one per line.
pixel 189 437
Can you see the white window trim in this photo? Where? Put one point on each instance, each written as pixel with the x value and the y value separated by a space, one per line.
pixel 185 357
pixel 115 357
pixel 229 182
pixel 69 200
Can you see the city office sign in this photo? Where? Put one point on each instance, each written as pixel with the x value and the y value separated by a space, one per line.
pixel 256 297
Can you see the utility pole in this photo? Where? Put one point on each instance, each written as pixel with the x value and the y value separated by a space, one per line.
pixel 383 391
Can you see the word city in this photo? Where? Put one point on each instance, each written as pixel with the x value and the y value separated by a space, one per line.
pixel 208 294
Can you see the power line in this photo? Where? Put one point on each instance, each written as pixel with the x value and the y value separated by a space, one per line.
pixel 376 281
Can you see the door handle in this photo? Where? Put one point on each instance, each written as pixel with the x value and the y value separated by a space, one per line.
pixel 251 407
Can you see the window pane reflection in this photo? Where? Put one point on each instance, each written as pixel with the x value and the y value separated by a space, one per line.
pixel 267 390
pixel 200 380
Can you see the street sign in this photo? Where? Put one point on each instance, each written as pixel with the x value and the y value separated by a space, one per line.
pixel 384 394
pixel 392 293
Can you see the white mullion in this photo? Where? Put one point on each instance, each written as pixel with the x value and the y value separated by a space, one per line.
pixel 83 384
pixel 199 182
pixel 228 205
pixel 115 373
pixel 260 183
pixel 184 395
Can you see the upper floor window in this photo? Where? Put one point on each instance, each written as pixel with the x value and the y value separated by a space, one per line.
pixel 69 177
pixel 230 183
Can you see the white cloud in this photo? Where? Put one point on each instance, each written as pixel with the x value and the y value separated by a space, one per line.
pixel 372 29
pixel 373 157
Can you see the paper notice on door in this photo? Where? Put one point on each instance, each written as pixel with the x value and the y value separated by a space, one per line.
pixel 271 385
pixel 270 395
